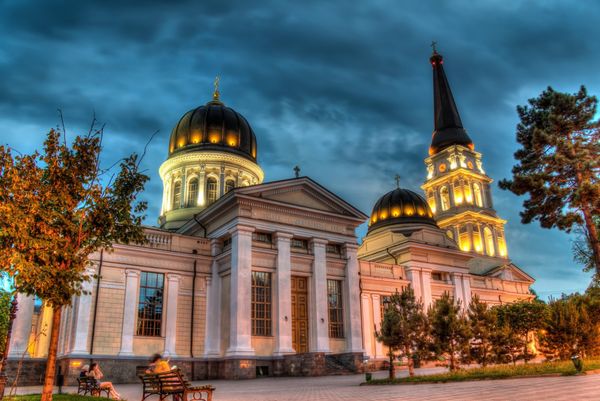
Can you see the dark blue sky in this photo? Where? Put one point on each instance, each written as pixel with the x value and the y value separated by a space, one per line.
pixel 341 88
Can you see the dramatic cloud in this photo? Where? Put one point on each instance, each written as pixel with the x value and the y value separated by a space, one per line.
pixel 342 89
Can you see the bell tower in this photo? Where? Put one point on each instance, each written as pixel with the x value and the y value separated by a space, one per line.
pixel 457 188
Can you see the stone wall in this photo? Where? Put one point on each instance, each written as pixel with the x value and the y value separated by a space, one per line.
pixel 31 372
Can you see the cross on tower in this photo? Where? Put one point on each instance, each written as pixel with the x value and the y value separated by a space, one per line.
pixel 433 43
pixel 297 171
pixel 397 178
pixel 216 92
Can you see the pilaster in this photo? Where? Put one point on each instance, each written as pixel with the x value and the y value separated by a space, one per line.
pixel 319 319
pixel 84 311
pixel 283 291
pixel 352 308
pixel 129 310
pixel 171 321
pixel 212 347
pixel 377 318
pixel 367 312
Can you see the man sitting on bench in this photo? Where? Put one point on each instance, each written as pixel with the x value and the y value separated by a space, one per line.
pixel 158 365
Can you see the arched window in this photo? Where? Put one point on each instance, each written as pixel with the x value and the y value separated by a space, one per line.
pixel 176 195
pixel 489 241
pixel 445 198
pixel 229 185
pixel 458 193
pixel 211 190
pixel 431 201
pixel 192 192
pixel 478 197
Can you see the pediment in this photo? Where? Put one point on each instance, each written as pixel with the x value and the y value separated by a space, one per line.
pixel 305 193
pixel 491 268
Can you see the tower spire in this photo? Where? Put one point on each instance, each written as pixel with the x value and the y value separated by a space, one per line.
pixel 448 128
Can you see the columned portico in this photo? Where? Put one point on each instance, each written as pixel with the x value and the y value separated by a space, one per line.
pixel 283 304
pixel 21 327
pixel 240 334
pixel 319 319
pixel 130 307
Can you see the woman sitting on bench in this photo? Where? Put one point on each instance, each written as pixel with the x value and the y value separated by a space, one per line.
pixel 96 373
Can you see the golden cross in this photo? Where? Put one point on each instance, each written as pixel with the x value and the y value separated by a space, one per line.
pixel 216 92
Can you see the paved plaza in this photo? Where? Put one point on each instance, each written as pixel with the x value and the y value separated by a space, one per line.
pixel 347 388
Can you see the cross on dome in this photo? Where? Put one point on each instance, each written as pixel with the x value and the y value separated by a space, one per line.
pixel 297 171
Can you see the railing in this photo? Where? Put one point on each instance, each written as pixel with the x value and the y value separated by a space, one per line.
pixel 158 239
pixel 384 270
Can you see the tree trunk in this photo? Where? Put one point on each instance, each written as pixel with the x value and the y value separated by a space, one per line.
pixel 392 368
pixel 51 362
pixel 411 365
pixel 592 234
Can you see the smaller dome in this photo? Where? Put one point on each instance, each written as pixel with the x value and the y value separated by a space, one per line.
pixel 400 206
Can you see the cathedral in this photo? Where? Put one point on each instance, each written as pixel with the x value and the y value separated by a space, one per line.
pixel 245 278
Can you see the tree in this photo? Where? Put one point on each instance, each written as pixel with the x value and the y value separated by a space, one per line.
pixel 523 318
pixel 583 252
pixel 58 207
pixel 449 330
pixel 559 164
pixel 570 328
pixel 482 321
pixel 5 298
pixel 403 327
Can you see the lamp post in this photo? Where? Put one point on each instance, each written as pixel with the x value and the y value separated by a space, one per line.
pixel 11 317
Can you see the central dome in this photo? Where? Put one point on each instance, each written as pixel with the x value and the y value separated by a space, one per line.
pixel 400 206
pixel 213 126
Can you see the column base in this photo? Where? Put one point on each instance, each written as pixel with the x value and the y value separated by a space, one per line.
pixel 239 352
pixel 284 351
pixel 212 354
pixel 125 353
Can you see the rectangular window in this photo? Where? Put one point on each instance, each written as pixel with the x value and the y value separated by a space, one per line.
pixel 299 244
pixel 333 249
pixel 261 304
pixel 226 244
pixel 150 305
pixel 437 276
pixel 262 237
pixel 336 310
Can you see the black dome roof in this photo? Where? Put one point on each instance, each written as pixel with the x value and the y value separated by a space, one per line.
pixel 213 126
pixel 400 206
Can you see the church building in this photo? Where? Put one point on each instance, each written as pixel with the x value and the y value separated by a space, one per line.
pixel 245 278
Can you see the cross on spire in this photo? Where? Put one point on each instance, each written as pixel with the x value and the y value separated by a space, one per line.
pixel 297 171
pixel 216 93
pixel 433 44
pixel 397 178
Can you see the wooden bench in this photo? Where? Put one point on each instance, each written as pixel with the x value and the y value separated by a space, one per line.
pixel 88 385
pixel 173 384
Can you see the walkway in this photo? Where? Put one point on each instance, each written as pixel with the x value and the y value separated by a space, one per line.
pixel 333 388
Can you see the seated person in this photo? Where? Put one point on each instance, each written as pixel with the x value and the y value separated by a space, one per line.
pixel 97 374
pixel 84 371
pixel 158 365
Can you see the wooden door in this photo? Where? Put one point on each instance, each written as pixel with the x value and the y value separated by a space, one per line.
pixel 300 314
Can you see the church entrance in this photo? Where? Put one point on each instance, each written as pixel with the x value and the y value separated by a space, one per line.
pixel 300 314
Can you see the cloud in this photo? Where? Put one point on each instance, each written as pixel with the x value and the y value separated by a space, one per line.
pixel 343 90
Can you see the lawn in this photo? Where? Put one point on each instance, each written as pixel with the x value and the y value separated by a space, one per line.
pixel 497 372
pixel 55 397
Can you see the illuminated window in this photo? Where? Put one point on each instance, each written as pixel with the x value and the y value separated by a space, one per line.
pixel 458 193
pixel 445 198
pixel 150 304
pixel 431 200
pixel 192 192
pixel 229 185
pixel 261 304
pixel 177 195
pixel 211 190
pixel 501 243
pixel 478 197
pixel 336 310
pixel 489 241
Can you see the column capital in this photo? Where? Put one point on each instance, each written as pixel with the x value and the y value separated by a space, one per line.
pixel 318 242
pixel 366 296
pixel 350 246
pixel 173 277
pixel 375 297
pixel 240 229
pixel 283 236
pixel 132 273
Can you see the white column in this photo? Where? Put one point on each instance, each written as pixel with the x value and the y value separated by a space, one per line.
pixel 171 323
pixel 129 309
pixel 45 329
pixel 283 301
pixel 412 274
pixel 377 318
pixel 21 327
pixel 240 326
pixel 84 310
pixel 352 308
pixel 426 288
pixel 319 319
pixel 466 284
pixel 367 326
pixel 222 181
pixel 202 186
pixel 212 340
pixel 458 289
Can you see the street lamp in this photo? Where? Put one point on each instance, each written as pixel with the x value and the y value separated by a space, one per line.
pixel 11 316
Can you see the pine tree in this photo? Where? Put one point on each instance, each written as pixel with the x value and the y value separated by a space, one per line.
pixel 482 321
pixel 56 209
pixel 403 328
pixel 559 164
pixel 449 330
pixel 523 318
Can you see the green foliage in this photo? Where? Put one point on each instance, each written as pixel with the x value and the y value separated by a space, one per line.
pixel 56 397
pixel 572 327
pixel 403 327
pixel 482 321
pixel 521 319
pixel 497 372
pixel 559 163
pixel 449 331
pixel 5 299
pixel 55 211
